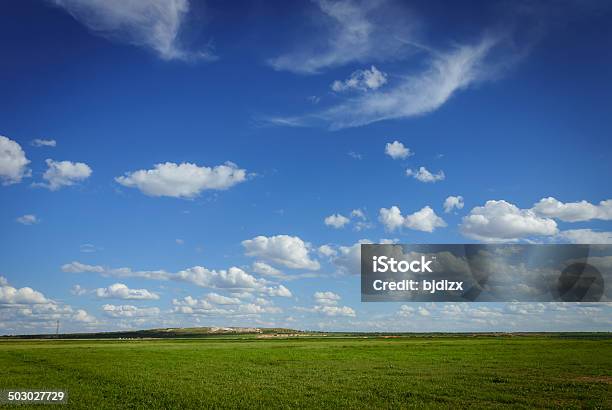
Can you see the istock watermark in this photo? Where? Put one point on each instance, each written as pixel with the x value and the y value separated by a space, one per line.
pixel 494 273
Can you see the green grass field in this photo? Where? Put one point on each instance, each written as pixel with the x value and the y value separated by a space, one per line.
pixel 518 371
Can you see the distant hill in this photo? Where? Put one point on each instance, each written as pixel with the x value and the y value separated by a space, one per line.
pixel 172 332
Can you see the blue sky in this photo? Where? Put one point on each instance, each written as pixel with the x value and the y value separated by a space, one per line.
pixel 201 147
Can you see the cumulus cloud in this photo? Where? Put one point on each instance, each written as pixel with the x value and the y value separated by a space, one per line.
pixel 423 175
pixel 357 218
pixel 39 142
pixel 406 311
pixel 78 290
pixel 28 219
pixel 64 173
pixel 129 311
pixel 327 304
pixel 397 150
pixel 336 310
pixel 327 250
pixel 280 291
pixel 358 213
pixel 185 180
pixel 153 24
pixel 222 300
pixel 361 80
pixel 336 221
pixel 289 251
pixel 232 278
pixel 10 295
pixel 217 306
pixel 326 298
pixel 586 236
pixel 391 218
pixel 453 202
pixel 499 221
pixel 13 162
pixel 25 310
pixel 573 211
pixel 81 315
pixel 121 291
pixel 264 269
pixel 352 32
pixel 346 258
pixel 424 220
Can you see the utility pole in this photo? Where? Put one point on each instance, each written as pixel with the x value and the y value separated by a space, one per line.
pixel 57 329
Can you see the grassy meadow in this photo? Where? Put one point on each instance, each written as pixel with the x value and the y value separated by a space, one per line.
pixel 342 372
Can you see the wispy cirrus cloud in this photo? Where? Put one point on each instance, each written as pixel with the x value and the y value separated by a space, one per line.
pixel 410 95
pixel 380 32
pixel 153 24
pixel 354 31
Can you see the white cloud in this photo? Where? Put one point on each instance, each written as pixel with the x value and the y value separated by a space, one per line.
pixel 121 291
pixel 573 211
pixel 81 315
pixel 397 150
pixel 88 248
pixel 327 250
pixel 78 267
pixel 289 251
pixel 347 259
pixel 222 300
pixel 357 217
pixel 38 142
pixel 13 162
pixel 153 24
pixel 28 219
pixel 424 220
pixel 586 236
pixel 17 296
pixel 423 311
pixel 335 311
pixel 453 202
pixel 183 180
pixel 391 218
pixel 129 311
pixel 64 173
pixel 280 291
pixel 337 221
pixel 499 221
pixel 226 306
pixel 361 80
pixel 358 213
pixel 78 290
pixel 406 311
pixel 233 277
pixel 326 298
pixel 25 310
pixel 447 73
pixel 264 269
pixel 353 32
pixel 423 175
